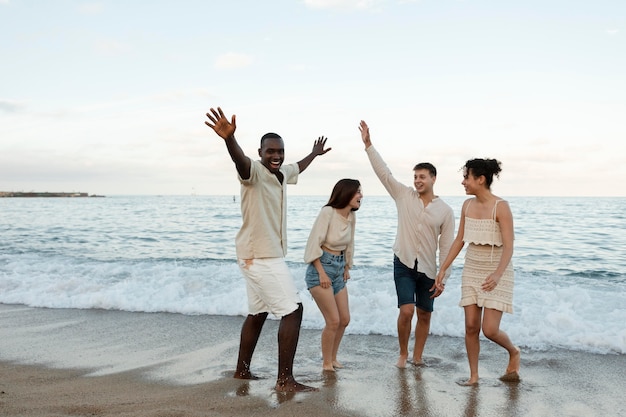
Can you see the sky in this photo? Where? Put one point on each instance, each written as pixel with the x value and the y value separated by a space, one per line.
pixel 110 97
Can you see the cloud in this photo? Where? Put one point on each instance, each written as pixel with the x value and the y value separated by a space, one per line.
pixel 10 106
pixel 4 1
pixel 232 60
pixel 342 4
pixel 612 32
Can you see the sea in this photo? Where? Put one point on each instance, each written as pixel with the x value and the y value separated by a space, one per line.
pixel 176 254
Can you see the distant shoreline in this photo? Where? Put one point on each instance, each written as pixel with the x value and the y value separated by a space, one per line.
pixel 45 194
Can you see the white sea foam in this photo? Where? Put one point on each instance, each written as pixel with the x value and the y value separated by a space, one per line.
pixel 546 315
pixel 176 254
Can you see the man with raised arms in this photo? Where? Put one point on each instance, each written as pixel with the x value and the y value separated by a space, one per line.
pixel 261 246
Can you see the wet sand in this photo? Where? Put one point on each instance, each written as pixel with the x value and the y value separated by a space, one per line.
pixel 64 362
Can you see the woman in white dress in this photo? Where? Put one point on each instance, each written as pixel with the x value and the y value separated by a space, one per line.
pixel 486 225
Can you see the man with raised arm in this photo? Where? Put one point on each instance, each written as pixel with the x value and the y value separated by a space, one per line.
pixel 261 246
pixel 425 224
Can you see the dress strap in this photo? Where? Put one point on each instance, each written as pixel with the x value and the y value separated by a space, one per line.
pixel 495 206
pixel 468 204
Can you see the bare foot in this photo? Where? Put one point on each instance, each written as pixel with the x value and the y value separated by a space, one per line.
pixel 328 368
pixel 401 362
pixel 514 362
pixel 469 383
pixel 337 364
pixel 417 362
pixel 245 375
pixel 290 385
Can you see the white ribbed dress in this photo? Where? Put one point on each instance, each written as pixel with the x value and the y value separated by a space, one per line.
pixel 481 259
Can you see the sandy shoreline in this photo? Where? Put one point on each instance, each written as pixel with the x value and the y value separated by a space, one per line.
pixel 109 363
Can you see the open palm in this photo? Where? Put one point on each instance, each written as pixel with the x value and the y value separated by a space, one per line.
pixel 220 124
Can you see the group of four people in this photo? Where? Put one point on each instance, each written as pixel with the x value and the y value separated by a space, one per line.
pixel 425 225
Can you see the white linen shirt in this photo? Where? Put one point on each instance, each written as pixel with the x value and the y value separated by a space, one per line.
pixel 420 229
pixel 334 231
pixel 263 233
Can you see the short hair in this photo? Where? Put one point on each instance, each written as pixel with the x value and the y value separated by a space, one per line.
pixel 428 166
pixel 486 167
pixel 343 192
pixel 269 135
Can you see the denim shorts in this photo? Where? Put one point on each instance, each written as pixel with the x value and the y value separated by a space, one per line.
pixel 333 265
pixel 412 287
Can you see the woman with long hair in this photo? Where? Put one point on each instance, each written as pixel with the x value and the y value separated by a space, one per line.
pixel 329 253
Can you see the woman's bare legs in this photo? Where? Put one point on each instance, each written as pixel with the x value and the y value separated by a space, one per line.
pixel 341 300
pixel 473 315
pixel 491 330
pixel 325 300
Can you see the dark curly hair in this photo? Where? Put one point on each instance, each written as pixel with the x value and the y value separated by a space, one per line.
pixel 486 167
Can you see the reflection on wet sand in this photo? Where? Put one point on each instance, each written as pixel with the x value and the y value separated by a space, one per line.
pixel 472 402
pixel 412 399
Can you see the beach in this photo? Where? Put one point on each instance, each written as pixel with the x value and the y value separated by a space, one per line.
pixel 72 362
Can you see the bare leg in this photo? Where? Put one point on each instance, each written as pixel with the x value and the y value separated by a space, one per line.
pixel 421 334
pixel 404 332
pixel 325 300
pixel 473 315
pixel 341 298
pixel 288 335
pixel 250 332
pixel 491 330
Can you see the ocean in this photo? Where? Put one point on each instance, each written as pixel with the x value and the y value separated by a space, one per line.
pixel 176 254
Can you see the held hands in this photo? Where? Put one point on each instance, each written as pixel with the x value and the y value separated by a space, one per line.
pixel 318 146
pixel 365 134
pixel 220 124
pixel 438 286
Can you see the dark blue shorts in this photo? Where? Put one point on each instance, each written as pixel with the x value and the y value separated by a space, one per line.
pixel 333 265
pixel 412 287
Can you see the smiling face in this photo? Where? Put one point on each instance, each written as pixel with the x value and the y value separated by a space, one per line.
pixel 272 153
pixel 471 183
pixel 423 181
pixel 346 194
pixel 355 202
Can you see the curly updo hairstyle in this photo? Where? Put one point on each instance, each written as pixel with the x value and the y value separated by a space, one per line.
pixel 486 167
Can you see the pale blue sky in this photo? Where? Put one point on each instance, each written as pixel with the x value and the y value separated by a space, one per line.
pixel 109 97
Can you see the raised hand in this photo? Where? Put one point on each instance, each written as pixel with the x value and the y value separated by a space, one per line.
pixel 220 124
pixel 365 134
pixel 318 146
pixel 318 149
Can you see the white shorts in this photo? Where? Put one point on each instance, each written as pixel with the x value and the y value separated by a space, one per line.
pixel 269 286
